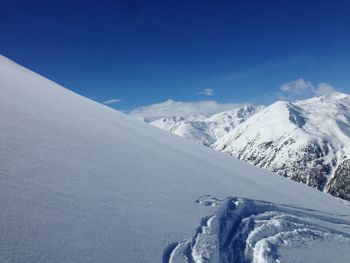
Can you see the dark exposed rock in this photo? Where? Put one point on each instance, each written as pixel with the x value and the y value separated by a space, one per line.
pixel 339 185
pixel 306 165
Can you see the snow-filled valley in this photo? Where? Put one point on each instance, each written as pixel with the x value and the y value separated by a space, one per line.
pixel 307 141
pixel 81 182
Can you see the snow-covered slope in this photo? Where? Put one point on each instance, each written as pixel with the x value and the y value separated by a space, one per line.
pixel 307 141
pixel 207 130
pixel 80 182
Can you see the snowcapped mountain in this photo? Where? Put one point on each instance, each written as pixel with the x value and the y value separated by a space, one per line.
pixel 207 129
pixel 307 141
pixel 81 182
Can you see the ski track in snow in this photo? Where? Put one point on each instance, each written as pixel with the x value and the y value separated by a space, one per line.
pixel 244 230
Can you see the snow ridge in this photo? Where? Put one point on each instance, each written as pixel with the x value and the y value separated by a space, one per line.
pixel 244 230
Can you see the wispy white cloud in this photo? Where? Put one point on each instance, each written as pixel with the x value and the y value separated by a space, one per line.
pixel 324 89
pixel 111 101
pixel 297 87
pixel 171 108
pixel 301 88
pixel 207 92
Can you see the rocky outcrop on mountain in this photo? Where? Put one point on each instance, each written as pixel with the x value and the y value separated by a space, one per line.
pixel 339 185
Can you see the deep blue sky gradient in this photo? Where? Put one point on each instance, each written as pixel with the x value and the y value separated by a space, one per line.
pixel 144 52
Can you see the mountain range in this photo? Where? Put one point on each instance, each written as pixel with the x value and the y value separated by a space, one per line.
pixel 306 140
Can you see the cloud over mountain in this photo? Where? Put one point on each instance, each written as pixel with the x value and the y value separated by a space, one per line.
pixel 301 88
pixel 171 108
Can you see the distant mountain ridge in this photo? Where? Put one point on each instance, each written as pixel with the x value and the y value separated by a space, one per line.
pixel 207 129
pixel 307 140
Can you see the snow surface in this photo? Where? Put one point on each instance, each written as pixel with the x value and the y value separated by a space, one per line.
pixel 246 230
pixel 80 182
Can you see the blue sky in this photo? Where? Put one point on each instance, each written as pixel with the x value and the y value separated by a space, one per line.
pixel 144 52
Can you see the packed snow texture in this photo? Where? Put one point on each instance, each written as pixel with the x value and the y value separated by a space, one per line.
pixel 81 182
pixel 244 230
pixel 307 141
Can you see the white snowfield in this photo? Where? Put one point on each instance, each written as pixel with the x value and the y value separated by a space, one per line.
pixel 80 182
